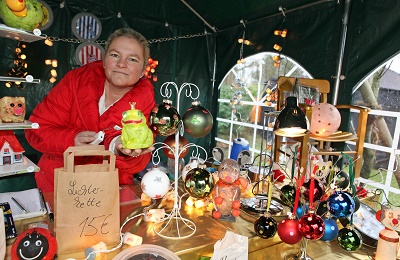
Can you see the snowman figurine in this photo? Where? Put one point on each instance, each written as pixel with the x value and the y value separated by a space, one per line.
pixel 388 241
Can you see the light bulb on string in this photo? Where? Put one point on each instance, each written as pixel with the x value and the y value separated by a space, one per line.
pixel 48 42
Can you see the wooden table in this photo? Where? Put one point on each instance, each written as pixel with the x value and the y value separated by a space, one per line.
pixel 208 232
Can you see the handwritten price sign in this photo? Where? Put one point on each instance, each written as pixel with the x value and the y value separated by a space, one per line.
pixel 86 207
pixel 89 196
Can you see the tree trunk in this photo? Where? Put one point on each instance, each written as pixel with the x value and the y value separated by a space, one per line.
pixel 383 133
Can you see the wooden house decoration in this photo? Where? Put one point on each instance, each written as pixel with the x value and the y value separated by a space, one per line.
pixel 10 148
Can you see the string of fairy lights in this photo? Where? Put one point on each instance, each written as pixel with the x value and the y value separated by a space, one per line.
pixel 20 64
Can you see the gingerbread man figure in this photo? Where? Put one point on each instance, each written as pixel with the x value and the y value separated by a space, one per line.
pixel 227 190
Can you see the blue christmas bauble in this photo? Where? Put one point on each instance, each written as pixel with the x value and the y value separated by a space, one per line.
pixel 301 210
pixel 331 230
pixel 341 204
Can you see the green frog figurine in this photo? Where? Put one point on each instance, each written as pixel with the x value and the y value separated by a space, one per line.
pixel 135 132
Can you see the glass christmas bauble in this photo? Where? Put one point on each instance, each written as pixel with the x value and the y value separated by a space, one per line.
pixel 301 210
pixel 155 183
pixel 199 183
pixel 311 226
pixel 288 231
pixel 325 119
pixel 288 194
pixel 197 120
pixel 193 163
pixel 265 227
pixel 349 239
pixel 322 208
pixel 342 180
pixel 331 230
pixel 318 189
pixel 341 204
pixel 170 141
pixel 164 119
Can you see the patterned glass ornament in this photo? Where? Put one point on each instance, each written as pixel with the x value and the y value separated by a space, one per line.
pixel 164 119
pixel 325 119
pixel 199 182
pixel 197 120
pixel 341 204
pixel 311 226
pixel 349 239
pixel 265 226
pixel 331 230
pixel 322 207
pixel 318 189
pixel 342 179
pixel 288 194
pixel 155 183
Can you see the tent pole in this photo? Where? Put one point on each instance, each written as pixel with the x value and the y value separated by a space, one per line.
pixel 341 52
pixel 199 16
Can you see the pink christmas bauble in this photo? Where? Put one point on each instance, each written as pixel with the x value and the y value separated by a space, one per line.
pixel 311 226
pixel 288 231
pixel 155 183
pixel 325 119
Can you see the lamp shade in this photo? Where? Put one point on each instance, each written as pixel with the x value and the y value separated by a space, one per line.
pixel 291 121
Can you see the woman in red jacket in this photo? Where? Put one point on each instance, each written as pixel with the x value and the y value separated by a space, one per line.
pixel 91 99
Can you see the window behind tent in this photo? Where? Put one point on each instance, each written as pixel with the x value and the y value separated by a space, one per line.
pixel 246 92
pixel 381 92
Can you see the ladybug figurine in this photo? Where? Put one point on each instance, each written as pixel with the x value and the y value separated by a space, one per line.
pixel 34 243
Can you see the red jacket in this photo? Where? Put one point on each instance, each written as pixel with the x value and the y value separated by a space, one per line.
pixel 72 107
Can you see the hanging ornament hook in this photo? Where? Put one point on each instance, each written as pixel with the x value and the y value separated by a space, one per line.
pixel 282 10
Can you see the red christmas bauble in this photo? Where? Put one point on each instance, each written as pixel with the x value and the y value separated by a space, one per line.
pixel 311 226
pixel 197 120
pixel 170 141
pixel 164 119
pixel 288 231
pixel 318 190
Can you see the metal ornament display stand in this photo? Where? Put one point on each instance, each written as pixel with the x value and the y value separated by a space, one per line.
pixel 174 226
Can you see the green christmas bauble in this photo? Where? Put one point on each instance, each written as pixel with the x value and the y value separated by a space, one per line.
pixel 199 183
pixel 165 119
pixel 197 120
pixel 349 239
pixel 288 194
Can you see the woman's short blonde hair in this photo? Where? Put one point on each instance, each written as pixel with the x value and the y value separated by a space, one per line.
pixel 130 33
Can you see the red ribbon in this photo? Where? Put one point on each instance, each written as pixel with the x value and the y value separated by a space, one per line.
pixel 296 200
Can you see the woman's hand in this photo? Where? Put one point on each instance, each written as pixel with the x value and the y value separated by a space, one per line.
pixel 129 152
pixel 84 138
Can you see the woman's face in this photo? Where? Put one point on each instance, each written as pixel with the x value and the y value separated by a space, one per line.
pixel 124 62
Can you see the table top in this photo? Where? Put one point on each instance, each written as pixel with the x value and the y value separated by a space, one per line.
pixel 208 232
